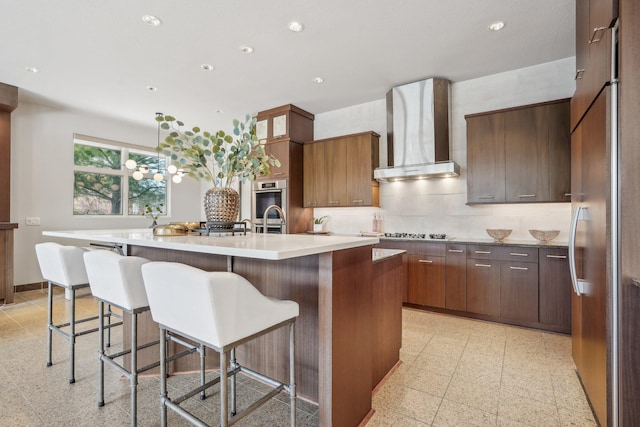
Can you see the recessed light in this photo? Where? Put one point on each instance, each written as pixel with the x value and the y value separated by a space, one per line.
pixel 152 88
pixel 497 26
pixel 154 21
pixel 31 69
pixel 207 67
pixel 318 80
pixel 296 27
pixel 246 49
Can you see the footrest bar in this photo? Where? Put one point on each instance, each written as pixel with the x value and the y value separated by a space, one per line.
pixel 240 415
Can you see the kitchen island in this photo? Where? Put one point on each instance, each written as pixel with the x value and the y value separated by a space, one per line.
pixel 330 277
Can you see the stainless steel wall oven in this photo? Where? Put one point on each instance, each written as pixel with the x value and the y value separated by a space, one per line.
pixel 265 194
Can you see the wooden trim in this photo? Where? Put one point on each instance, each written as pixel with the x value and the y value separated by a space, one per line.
pixel 353 135
pixel 6 265
pixel 8 97
pixel 519 107
pixel 284 108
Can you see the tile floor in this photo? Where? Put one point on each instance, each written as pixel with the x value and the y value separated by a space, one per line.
pixel 454 372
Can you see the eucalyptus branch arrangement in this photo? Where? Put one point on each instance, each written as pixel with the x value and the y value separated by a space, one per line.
pixel 216 157
pixel 151 212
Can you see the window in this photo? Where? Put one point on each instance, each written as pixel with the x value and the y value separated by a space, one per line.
pixel 103 185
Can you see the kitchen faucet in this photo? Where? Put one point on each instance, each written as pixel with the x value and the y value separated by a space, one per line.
pixel 265 216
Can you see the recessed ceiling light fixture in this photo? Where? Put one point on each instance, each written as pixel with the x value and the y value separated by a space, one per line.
pixel 207 67
pixel 154 21
pixel 152 88
pixel 497 26
pixel 246 49
pixel 31 69
pixel 318 80
pixel 296 26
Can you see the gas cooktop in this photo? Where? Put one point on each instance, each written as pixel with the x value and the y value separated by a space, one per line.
pixel 417 236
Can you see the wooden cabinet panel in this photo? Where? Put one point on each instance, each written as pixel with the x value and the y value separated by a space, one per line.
pixel 483 286
pixel 456 278
pixel 555 289
pixel 335 152
pixel 339 171
pixel 285 122
pixel 426 280
pixel 519 291
pixel 315 176
pixel 485 159
pixel 280 150
pixel 519 155
pixel 527 154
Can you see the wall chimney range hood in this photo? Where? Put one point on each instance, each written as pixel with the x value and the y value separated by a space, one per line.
pixel 418 132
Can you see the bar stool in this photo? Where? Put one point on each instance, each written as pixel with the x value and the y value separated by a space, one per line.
pixel 220 310
pixel 117 280
pixel 64 266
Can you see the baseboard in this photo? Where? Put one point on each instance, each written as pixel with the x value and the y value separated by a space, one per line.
pixel 30 287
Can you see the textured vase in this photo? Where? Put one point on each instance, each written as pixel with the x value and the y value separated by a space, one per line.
pixel 221 205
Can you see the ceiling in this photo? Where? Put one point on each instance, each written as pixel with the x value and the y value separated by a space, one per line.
pixel 99 55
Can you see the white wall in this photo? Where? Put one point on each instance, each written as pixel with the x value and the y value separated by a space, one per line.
pixel 438 205
pixel 42 178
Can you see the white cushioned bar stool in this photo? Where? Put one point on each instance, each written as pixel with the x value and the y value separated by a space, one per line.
pixel 117 280
pixel 221 310
pixel 64 266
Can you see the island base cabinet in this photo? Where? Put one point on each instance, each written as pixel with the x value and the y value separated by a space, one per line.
pixel 483 287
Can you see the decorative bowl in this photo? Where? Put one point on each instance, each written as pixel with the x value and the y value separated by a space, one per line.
pixel 544 236
pixel 498 234
pixel 170 230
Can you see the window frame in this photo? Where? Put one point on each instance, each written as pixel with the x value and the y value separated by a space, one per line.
pixel 123 173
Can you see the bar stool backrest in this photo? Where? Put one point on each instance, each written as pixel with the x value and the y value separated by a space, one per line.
pixel 61 264
pixel 116 279
pixel 216 308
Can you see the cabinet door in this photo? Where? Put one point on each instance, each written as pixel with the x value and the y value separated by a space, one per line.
pixel 527 155
pixel 280 150
pixel 426 280
pixel 315 176
pixel 336 160
pixel 559 152
pixel 485 159
pixel 361 158
pixel 519 291
pixel 555 288
pixel 456 278
pixel 483 286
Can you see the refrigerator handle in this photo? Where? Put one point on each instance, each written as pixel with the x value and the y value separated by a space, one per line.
pixel 578 284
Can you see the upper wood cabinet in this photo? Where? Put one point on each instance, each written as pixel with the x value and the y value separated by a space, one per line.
pixel 594 18
pixel 521 155
pixel 338 172
pixel 285 122
pixel 279 150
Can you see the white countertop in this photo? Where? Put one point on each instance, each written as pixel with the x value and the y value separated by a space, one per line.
pixel 252 245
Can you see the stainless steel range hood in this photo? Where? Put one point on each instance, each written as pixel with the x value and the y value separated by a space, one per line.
pixel 418 132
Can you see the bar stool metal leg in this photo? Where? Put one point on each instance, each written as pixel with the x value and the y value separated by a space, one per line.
pixel 163 376
pixel 134 369
pixel 101 353
pixel 224 392
pixel 49 322
pixel 108 325
pixel 233 365
pixel 72 338
pixel 203 394
pixel 292 376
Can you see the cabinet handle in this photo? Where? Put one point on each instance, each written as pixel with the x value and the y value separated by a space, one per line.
pixel 278 173
pixel 357 201
pixel 518 254
pixel 593 35
pixel 486 196
pixel 557 256
pixel 313 203
pixel 426 261
pixel 334 202
pixel 567 194
pixel 526 196
pixel 579 74
pixel 484 265
pixel 519 268
pixel 483 252
pixel 458 251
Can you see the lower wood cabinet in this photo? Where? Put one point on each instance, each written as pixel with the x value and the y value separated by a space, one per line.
pixel 522 285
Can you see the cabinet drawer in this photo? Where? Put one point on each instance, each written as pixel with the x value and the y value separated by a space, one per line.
pixel 483 252
pixel 518 254
pixel 433 249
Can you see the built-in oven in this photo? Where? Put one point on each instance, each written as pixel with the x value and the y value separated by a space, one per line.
pixel 265 194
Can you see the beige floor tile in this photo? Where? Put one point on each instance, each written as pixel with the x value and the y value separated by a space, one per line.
pixel 454 414
pixel 476 394
pixel 538 389
pixel 570 418
pixel 427 381
pixel 528 411
pixel 393 419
